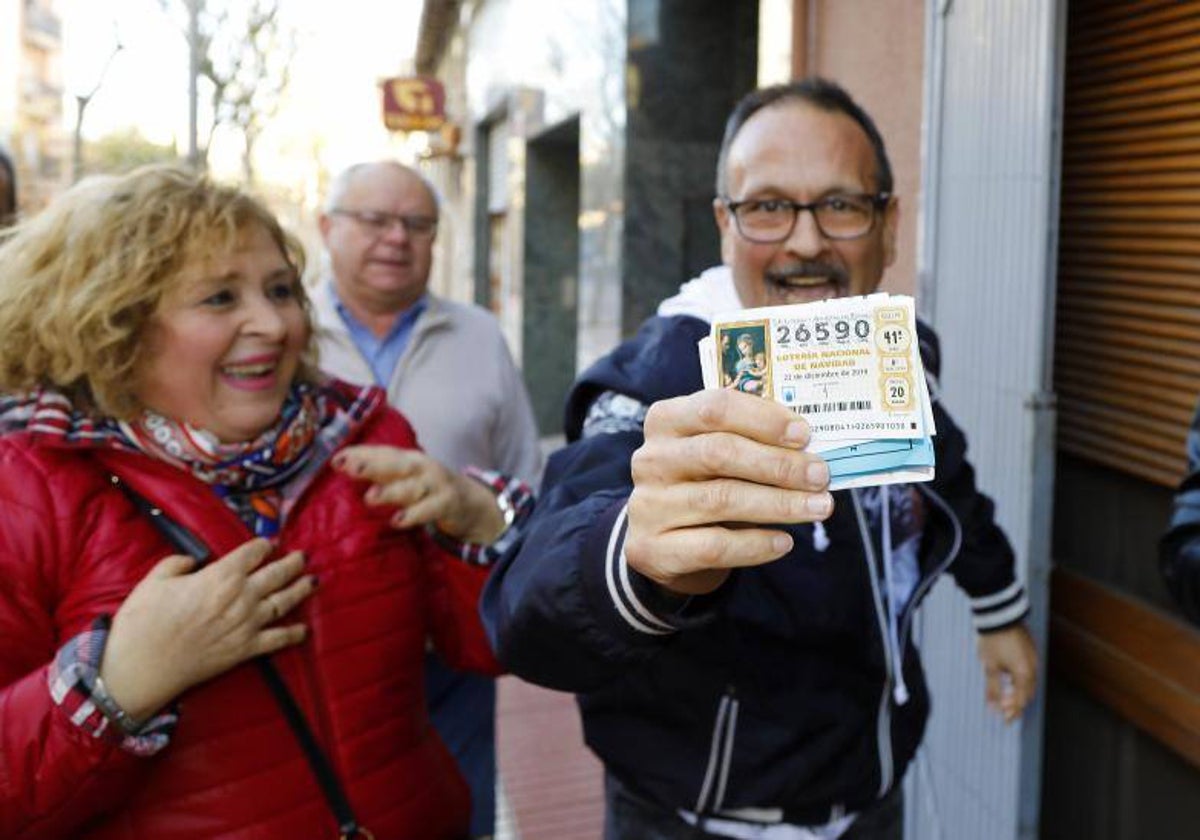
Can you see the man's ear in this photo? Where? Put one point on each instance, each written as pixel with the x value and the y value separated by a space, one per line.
pixel 323 225
pixel 725 223
pixel 891 229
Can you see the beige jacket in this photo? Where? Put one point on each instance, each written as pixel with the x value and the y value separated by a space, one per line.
pixel 455 382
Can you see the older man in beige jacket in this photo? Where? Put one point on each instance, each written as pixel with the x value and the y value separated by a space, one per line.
pixel 445 366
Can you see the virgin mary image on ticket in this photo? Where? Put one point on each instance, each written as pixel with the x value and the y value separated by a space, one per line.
pixel 745 357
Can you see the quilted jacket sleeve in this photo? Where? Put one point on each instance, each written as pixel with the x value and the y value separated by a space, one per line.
pixel 452 585
pixel 54 776
pixel 458 632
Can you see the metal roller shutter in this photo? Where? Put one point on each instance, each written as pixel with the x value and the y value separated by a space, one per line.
pixel 1127 357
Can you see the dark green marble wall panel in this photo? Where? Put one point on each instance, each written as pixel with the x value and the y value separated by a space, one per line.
pixel 551 269
pixel 689 63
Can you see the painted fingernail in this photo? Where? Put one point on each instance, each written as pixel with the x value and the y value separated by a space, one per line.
pixel 818 473
pixel 796 432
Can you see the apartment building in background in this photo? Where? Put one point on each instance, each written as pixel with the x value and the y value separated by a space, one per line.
pixel 31 98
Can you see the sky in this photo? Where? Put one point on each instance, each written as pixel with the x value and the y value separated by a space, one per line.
pixel 331 116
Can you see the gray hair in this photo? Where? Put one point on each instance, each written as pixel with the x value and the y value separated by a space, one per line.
pixel 341 184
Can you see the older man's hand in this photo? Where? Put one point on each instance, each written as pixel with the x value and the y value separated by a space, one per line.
pixel 714 468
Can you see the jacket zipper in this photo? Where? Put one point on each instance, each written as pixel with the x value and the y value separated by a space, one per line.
pixel 928 581
pixel 720 755
pixel 883 728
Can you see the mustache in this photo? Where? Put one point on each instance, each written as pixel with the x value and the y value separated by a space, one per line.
pixel 809 268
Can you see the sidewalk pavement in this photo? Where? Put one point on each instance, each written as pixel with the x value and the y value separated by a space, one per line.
pixel 551 786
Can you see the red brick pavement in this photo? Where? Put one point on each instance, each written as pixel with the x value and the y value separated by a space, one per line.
pixel 553 783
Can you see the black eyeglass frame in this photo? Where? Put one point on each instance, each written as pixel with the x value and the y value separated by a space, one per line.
pixel 381 222
pixel 878 202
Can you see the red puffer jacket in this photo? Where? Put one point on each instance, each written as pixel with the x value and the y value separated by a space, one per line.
pixel 72 547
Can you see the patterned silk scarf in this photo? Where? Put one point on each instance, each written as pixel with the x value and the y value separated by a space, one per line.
pixel 259 479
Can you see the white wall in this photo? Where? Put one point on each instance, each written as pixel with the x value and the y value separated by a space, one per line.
pixel 987 258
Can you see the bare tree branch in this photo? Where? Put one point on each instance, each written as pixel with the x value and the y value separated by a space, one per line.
pixel 245 54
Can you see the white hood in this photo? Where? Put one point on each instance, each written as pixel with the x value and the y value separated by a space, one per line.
pixel 712 292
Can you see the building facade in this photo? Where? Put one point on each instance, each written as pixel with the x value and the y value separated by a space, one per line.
pixel 1047 166
pixel 577 118
pixel 31 96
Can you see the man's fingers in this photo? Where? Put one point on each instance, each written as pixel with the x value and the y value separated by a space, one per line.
pixel 1010 666
pixel 378 464
pixel 690 551
pixel 992 688
pixel 727 411
pixel 1009 692
pixel 700 503
pixel 727 455
pixel 1020 693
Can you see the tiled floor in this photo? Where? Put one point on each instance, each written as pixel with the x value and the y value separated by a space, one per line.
pixel 550 784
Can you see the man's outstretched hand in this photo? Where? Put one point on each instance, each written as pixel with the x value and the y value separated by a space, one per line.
pixel 717 469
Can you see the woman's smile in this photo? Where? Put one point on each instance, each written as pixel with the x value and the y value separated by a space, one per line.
pixel 225 345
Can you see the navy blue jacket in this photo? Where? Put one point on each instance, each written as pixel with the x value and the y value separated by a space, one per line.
pixel 776 692
pixel 1179 549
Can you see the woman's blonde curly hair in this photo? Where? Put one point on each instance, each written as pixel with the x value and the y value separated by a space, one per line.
pixel 80 281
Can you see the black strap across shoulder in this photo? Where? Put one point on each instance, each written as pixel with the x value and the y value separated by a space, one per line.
pixel 188 543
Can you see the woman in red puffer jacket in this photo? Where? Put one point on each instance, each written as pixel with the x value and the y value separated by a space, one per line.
pixel 161 406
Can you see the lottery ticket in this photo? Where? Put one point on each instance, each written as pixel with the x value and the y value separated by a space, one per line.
pixel 851 366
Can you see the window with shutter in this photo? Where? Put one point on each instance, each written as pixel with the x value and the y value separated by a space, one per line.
pixel 1127 357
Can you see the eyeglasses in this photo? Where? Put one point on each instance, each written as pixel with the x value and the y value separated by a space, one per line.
pixel 841 216
pixel 379 223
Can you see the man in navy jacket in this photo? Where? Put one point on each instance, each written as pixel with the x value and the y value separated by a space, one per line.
pixel 739 637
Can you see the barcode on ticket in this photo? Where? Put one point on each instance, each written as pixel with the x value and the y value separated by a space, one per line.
pixel 823 408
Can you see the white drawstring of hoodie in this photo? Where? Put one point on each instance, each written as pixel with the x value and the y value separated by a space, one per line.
pixel 900 689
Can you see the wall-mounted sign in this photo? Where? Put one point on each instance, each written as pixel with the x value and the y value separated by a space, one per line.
pixel 413 103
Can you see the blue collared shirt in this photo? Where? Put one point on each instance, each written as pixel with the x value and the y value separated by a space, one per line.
pixel 382 354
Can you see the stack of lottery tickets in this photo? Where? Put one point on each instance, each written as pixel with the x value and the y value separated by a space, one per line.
pixel 850 366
